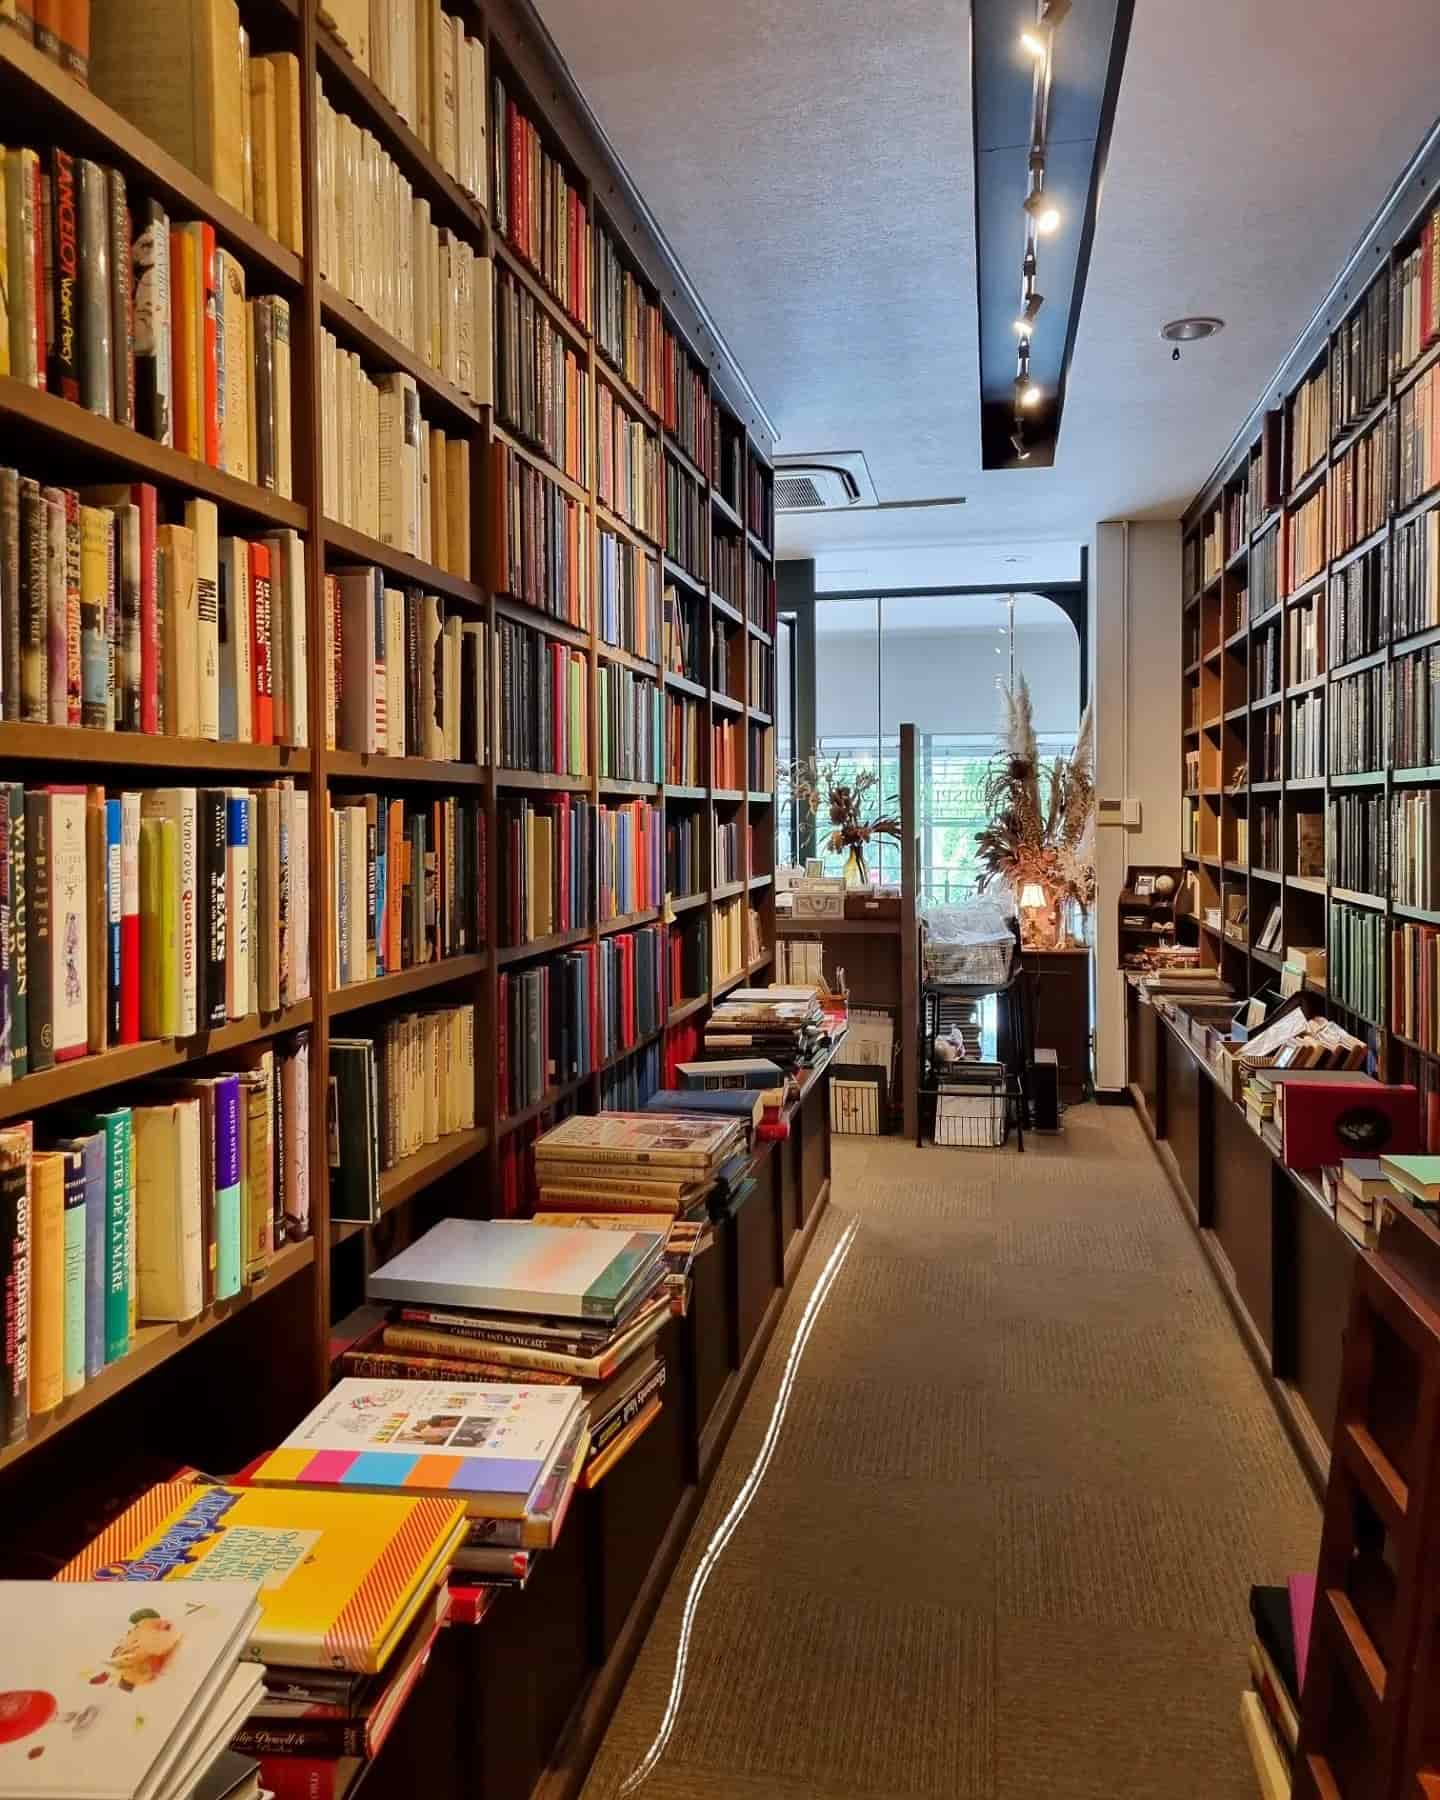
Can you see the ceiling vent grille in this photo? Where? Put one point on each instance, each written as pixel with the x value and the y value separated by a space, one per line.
pixel 833 481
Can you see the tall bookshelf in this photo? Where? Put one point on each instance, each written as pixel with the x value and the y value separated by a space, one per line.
pixel 1297 627
pixel 265 1355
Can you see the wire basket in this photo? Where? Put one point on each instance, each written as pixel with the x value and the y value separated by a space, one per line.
pixel 984 964
pixel 971 1118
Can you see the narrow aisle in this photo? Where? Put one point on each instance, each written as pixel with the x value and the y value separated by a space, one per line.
pixel 1004 1543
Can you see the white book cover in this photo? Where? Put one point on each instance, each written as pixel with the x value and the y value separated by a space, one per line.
pixel 300 896
pixel 238 901
pixel 398 405
pixel 111 1692
pixel 371 1435
pixel 169 1211
pixel 251 901
pixel 395 671
pixel 202 519
pixel 297 644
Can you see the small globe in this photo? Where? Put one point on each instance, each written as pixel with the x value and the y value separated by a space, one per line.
pixel 1164 884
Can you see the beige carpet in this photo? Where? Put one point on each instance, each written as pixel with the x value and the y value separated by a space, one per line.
pixel 1003 1546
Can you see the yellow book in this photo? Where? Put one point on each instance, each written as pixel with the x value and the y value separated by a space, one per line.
pixel 341 1575
pixel 180 651
pixel 264 145
pixel 47 1281
pixel 159 929
pixel 235 447
pixel 457 504
pixel 289 165
pixel 186 326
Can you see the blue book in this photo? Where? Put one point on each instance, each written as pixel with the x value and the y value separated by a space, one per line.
pixel 230 1257
pixel 113 811
pixel 91 1146
pixel 73 1363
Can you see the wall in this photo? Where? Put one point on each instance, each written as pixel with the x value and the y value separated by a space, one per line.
pixel 1135 653
pixel 941 681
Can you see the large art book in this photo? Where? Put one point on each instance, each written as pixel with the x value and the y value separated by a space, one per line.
pixel 640 1138
pixel 488 1447
pixel 513 1267
pixel 342 1575
pixel 107 1693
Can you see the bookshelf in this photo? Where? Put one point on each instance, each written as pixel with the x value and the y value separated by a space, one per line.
pixel 1310 607
pixel 278 1330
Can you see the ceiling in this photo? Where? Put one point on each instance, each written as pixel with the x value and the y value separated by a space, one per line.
pixel 811 165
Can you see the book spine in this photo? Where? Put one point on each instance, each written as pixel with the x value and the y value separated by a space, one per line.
pixel 15 1276
pixel 64 250
pixel 75 1229
pixel 97 366
pixel 230 1259
pixel 307 1737
pixel 154 350
pixel 119 1184
pixel 19 980
pixel 37 829
pixel 34 605
pixel 47 1284
pixel 122 278
pixel 93 1155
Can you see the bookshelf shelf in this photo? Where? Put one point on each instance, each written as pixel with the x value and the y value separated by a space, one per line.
pixel 722 606
pixel 760 881
pixel 726 702
pixel 682 903
pixel 692 469
pixel 606 371
pixel 620 1056
pixel 363 334
pixel 524 614
pixel 546 946
pixel 1312 884
pixel 837 927
pixel 727 795
pixel 405 982
pixel 622 528
pixel 144 750
pixel 687 1009
pixel 759 546
pixel 39 90
pixel 728 890
pixel 100 445
pixel 355 93
pixel 132 1062
pixel 1417 914
pixel 528 780
pixel 415 1173
pixel 611 784
pixel 552 1097
pixel 682 684
pixel 638 664
pixel 1414 777
pixel 543 464
pixel 725 509
pixel 154 1345
pixel 1375 778
pixel 504 253
pixel 629 921
pixel 680 573
pixel 687 793
pixel 759 631
pixel 357 546
pixel 360 765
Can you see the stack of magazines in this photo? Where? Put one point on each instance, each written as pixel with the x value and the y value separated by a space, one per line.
pixel 787 1025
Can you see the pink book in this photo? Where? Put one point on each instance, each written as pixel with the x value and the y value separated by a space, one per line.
pixel 1302 1610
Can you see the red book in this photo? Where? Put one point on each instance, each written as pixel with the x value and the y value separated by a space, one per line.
pixel 262 713
pixel 517 175
pixel 564 911
pixel 64 275
pixel 1324 1122
pixel 209 372
pixel 468 1605
pixel 305 1777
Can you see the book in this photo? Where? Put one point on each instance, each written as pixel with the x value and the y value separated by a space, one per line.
pixel 15 1280
pixel 1417 1176
pixel 639 1138
pixel 47 1282
pixel 154 1683
pixel 507 1266
pixel 342 1577
pixel 489 1446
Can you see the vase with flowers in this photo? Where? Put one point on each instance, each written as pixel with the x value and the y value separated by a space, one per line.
pixel 1040 841
pixel 842 798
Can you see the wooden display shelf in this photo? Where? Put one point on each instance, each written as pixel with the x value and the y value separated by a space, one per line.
pixel 609 520
pixel 727 609
pixel 629 922
pixel 362 333
pixel 406 982
pixel 551 1097
pixel 680 573
pixel 356 546
pixel 153 1345
pixel 521 611
pixel 619 384
pixel 687 1009
pixel 759 546
pixel 627 660
pixel 546 946
pixel 727 890
pixel 684 685
pixel 688 902
pixel 84 124
pixel 102 449
pixel 639 790
pixel 360 765
pixel 682 457
pixel 133 1062
pixel 726 511
pixel 531 781
pixel 726 702
pixel 146 750
pixel 686 793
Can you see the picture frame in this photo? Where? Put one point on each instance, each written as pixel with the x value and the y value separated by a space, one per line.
pixel 1144 887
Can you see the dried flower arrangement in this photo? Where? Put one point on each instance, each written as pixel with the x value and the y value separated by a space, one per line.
pixel 820 783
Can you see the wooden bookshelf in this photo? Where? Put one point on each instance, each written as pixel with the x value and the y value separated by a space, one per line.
pixel 61 442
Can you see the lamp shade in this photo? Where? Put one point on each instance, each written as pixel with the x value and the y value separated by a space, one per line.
pixel 1032 894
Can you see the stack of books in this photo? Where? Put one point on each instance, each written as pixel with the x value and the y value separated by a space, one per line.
pixel 352 1591
pixel 111 1696
pixel 787 1025
pixel 512 1302
pixel 645 1168
pixel 1270 1706
pixel 1353 1190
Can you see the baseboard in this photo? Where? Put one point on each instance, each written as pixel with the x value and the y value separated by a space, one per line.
pixel 1120 1096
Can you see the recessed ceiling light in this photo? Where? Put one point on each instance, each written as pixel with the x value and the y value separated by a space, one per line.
pixel 1190 331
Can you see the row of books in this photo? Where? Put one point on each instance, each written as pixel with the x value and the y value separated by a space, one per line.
pixel 630 861
pixel 550 861
pixel 144 1213
pixel 627 589
pixel 1360 485
pixel 538 209
pixel 1357 724
pixel 1237 618
pixel 431 71
pixel 684 635
pixel 1357 614
pixel 761 593
pixel 1307 737
pixel 154 914
pixel 629 1083
pixel 1305 552
pixel 1360 359
pixel 379 247
pixel 1415 710
pixel 1415 301
pixel 627 467
pixel 141 321
pixel 762 677
pixel 1237 519
pixel 1266 746
pixel 727 459
pixel 1415 605
pixel 1262 481
pixel 727 565
pixel 729 862
pixel 762 759
pixel 1264 573
pixel 1309 436
pixel 540 541
pixel 1265 663
pixel 726 658
pixel 1357 858
pixel 388 472
pixel 727 752
pixel 629 330
pixel 1418 426
pixel 684 742
pixel 1212 543
pixel 760 501
pixel 113 621
pixel 629 724
pixel 1303 641
pixel 735 939
pixel 1415 984
pixel 689 958
pixel 403 677
pixel 541 390
pixel 544 698
pixel 685 412
pixel 391 1095
pixel 407 883
pixel 687 533
pixel 1357 961
pixel 684 860
pixel 785 1025
pixel 1416 855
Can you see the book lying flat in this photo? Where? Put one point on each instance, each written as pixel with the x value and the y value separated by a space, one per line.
pixel 1418 1176
pixel 490 1447
pixel 616 1137
pixel 509 1266
pixel 341 1575
pixel 114 1694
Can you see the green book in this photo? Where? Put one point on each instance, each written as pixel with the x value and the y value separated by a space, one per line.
pixel 118 1127
pixel 1418 1176
pixel 74 1342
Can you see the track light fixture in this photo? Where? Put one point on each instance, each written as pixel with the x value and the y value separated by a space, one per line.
pixel 1053 12
pixel 1027 394
pixel 1034 43
pixel 1029 312
pixel 1017 440
pixel 1044 214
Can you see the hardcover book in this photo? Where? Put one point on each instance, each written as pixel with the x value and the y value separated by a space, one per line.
pixel 341 1575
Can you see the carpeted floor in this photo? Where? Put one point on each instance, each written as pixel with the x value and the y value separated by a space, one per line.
pixel 1026 1477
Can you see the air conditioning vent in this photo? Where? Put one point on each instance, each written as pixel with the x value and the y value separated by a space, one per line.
pixel 832 482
